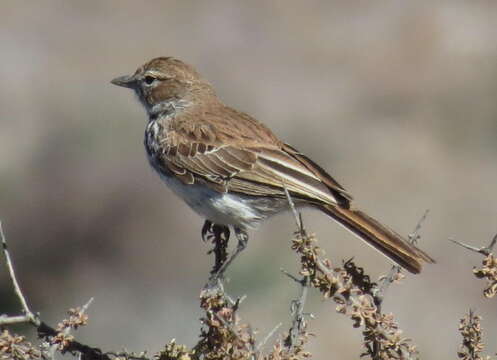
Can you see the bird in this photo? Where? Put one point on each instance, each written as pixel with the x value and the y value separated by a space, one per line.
pixel 233 170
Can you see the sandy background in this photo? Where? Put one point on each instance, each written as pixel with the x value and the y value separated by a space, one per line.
pixel 396 99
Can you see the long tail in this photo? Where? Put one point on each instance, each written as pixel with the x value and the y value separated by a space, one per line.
pixel 385 240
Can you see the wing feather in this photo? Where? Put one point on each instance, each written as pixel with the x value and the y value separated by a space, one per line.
pixel 255 169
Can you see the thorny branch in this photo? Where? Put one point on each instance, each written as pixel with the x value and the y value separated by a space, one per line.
pixel 357 297
pixel 297 331
pixel 351 290
pixel 16 347
pixel 485 250
pixel 298 323
pixel 28 316
pixel 395 273
pixel 77 318
pixel 225 336
pixel 471 346
pixel 355 294
pixel 488 271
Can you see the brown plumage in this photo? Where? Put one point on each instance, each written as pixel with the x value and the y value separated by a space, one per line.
pixel 232 169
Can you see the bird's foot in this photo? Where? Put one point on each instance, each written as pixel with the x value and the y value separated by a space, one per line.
pixel 218 235
pixel 218 272
pixel 222 262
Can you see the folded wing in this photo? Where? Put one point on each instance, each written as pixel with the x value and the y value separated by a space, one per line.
pixel 252 169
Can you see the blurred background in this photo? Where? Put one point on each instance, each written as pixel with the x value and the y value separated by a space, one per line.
pixel 395 99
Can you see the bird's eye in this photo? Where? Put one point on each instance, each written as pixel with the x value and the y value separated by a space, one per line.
pixel 149 80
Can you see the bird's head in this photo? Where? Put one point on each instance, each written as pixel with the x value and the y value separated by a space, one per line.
pixel 166 84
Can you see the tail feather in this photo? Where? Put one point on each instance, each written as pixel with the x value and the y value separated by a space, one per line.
pixel 385 240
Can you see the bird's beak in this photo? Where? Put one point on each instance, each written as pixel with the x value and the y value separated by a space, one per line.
pixel 124 81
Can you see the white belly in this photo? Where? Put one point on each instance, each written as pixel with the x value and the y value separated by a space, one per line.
pixel 220 208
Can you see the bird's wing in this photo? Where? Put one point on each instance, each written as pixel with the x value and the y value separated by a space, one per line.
pixel 326 178
pixel 248 167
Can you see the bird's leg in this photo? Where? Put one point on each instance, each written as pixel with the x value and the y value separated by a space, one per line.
pixel 219 236
pixel 242 237
pixel 220 250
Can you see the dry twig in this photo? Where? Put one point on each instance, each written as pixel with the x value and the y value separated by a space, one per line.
pixel 29 316
pixel 488 271
pixel 223 334
pixel 485 250
pixel 395 273
pixel 353 292
pixel 16 347
pixel 471 346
